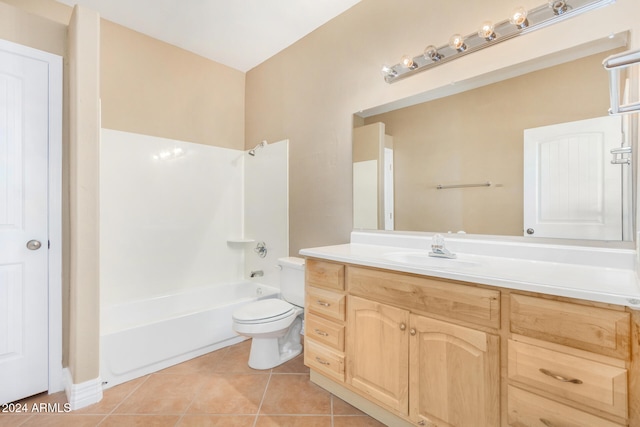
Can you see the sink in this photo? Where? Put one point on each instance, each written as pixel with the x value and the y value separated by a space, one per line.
pixel 422 259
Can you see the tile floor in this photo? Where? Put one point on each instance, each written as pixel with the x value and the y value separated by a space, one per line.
pixel 217 389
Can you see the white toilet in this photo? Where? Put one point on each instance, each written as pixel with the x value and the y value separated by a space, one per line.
pixel 275 324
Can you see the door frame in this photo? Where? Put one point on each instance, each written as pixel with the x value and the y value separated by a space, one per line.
pixel 54 62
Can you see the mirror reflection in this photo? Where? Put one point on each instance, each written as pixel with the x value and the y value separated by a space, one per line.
pixel 526 156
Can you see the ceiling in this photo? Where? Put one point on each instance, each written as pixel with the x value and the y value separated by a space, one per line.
pixel 238 33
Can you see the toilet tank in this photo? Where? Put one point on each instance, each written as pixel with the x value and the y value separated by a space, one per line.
pixel 292 280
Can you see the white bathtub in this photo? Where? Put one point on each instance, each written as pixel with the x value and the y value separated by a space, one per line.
pixel 141 337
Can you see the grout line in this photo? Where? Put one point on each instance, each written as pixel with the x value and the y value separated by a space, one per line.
pixel 264 395
pixel 123 399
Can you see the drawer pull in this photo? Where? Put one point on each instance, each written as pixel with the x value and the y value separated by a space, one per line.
pixel 322 361
pixel 560 377
pixel 323 303
pixel 546 422
pixel 321 332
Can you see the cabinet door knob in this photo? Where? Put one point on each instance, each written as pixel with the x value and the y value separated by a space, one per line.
pixel 403 326
pixel 560 377
pixel 412 331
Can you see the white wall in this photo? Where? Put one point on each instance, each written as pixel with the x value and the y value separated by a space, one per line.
pixel 267 209
pixel 165 223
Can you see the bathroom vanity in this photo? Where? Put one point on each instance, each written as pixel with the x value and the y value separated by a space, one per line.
pixel 503 335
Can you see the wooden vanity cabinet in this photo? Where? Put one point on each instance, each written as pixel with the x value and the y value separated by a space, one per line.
pixel 324 336
pixel 443 353
pixel 454 374
pixel 572 355
pixel 433 371
pixel 378 352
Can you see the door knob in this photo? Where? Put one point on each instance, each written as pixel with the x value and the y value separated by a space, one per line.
pixel 33 245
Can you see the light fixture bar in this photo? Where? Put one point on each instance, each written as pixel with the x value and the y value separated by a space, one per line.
pixel 539 17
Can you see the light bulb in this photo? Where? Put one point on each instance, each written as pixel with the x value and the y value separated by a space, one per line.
pixel 558 6
pixel 486 31
pixel 431 52
pixel 457 42
pixel 407 62
pixel 388 71
pixel 519 17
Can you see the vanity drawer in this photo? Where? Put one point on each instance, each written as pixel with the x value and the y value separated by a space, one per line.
pixel 426 295
pixel 327 303
pixel 594 329
pixel 324 331
pixel 324 360
pixel 529 410
pixel 324 274
pixel 583 381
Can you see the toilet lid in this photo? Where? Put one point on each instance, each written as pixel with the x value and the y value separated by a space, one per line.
pixel 267 309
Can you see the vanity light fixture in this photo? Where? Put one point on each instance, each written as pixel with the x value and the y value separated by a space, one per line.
pixel 521 21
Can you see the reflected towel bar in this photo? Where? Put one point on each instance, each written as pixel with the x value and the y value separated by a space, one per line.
pixel 444 187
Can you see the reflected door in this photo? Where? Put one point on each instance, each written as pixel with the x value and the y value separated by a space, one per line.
pixel 571 188
pixel 24 115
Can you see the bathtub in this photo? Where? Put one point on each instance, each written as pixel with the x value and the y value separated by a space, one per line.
pixel 141 337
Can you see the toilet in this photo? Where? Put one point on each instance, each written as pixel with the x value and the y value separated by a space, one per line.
pixel 275 324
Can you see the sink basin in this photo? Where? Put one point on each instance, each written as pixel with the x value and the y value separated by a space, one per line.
pixel 422 259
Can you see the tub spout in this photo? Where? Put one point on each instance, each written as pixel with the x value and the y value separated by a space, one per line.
pixel 256 273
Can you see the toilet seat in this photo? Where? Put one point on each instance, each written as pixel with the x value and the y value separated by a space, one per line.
pixel 263 311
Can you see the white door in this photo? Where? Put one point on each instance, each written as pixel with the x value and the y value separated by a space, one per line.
pixel 24 110
pixel 571 189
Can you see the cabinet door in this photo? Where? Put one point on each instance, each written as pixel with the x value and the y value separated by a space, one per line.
pixel 455 374
pixel 378 352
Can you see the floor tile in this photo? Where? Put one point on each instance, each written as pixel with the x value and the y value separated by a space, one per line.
pixel 13 420
pixel 293 366
pixel 295 394
pixel 112 397
pixel 217 421
pixel 230 394
pixel 162 394
pixel 216 389
pixel 140 421
pixel 236 360
pixel 63 420
pixel 200 365
pixel 340 407
pixel 293 421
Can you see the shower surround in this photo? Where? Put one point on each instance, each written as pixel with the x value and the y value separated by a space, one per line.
pixel 176 242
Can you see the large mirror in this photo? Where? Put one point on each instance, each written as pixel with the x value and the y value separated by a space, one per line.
pixel 460 163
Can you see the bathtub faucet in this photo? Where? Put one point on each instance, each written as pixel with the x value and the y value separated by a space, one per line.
pixel 256 273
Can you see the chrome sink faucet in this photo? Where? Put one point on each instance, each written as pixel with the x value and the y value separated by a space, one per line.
pixel 438 248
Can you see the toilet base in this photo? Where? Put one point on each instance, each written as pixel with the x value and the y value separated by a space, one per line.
pixel 267 353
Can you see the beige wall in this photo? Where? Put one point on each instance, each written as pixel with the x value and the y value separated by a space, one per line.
pixel 476 136
pixel 153 88
pixel 309 92
pixel 84 192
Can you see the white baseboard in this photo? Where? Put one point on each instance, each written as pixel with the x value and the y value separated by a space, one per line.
pixel 83 394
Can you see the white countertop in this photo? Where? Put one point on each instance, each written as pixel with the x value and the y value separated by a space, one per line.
pixel 616 284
